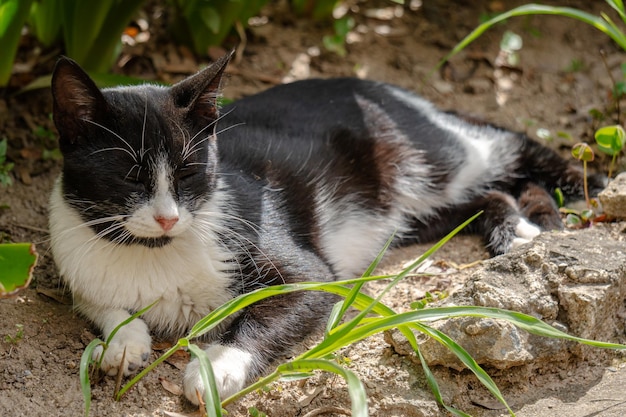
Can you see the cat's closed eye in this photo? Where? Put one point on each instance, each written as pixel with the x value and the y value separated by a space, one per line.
pixel 138 184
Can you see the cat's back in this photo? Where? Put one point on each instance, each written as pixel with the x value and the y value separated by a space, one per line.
pixel 314 118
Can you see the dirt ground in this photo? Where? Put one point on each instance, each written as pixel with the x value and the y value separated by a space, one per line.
pixel 561 76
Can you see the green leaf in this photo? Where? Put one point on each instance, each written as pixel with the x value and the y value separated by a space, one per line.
pixel 559 197
pixel 583 152
pixel 610 139
pixel 17 261
pixel 84 369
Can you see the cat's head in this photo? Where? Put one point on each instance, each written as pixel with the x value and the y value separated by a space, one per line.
pixel 138 161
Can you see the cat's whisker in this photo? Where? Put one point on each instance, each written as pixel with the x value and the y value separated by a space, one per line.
pixel 131 170
pixel 114 149
pixel 228 128
pixel 131 150
pixel 142 150
pixel 189 150
pixel 235 237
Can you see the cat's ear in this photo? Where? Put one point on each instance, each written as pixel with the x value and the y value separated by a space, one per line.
pixel 198 94
pixel 76 99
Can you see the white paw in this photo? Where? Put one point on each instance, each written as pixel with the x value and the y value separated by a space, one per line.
pixel 230 367
pixel 133 338
pixel 526 230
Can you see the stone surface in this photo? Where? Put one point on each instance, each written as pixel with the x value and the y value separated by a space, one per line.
pixel 613 198
pixel 575 281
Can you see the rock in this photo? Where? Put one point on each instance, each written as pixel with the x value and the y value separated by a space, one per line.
pixel 575 281
pixel 613 197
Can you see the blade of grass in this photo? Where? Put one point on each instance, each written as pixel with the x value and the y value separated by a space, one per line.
pixel 434 386
pixel 467 360
pixel 128 320
pixel 211 397
pixel 85 360
pixel 339 332
pixel 337 316
pixel 534 9
pixel 356 389
pixel 618 6
pixel 181 343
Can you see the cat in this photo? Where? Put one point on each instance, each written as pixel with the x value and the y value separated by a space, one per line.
pixel 165 196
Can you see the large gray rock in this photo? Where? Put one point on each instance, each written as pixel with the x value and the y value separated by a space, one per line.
pixel 575 281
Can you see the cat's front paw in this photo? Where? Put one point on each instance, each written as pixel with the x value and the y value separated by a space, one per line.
pixel 230 367
pixel 132 343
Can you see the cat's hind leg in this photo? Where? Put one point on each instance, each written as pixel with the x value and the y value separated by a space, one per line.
pixel 538 206
pixel 502 225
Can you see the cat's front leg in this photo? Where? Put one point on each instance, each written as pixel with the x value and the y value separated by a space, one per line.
pixel 231 367
pixel 130 348
pixel 266 331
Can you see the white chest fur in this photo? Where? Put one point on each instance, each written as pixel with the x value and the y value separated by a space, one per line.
pixel 185 276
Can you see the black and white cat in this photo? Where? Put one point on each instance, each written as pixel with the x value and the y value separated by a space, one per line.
pixel 163 196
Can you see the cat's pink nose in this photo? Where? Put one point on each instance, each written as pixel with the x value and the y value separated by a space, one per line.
pixel 166 222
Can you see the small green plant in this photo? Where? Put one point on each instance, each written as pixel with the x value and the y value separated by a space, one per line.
pixel 428 299
pixel 337 43
pixel 19 335
pixel 5 166
pixel 584 153
pixel 205 23
pixel 610 140
pixel 255 412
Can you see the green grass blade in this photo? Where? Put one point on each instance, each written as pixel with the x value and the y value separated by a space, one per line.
pixel 181 343
pixel 329 343
pixel 337 316
pixel 434 387
pixel 356 389
pixel 83 371
pixel 13 14
pixel 618 6
pixel 523 321
pixel 128 320
pixel 466 359
pixel 538 9
pixel 211 397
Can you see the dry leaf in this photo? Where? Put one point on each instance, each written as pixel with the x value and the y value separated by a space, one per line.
pixel 171 387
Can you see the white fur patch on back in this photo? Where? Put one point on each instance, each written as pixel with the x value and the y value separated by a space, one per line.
pixel 230 368
pixel 489 154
